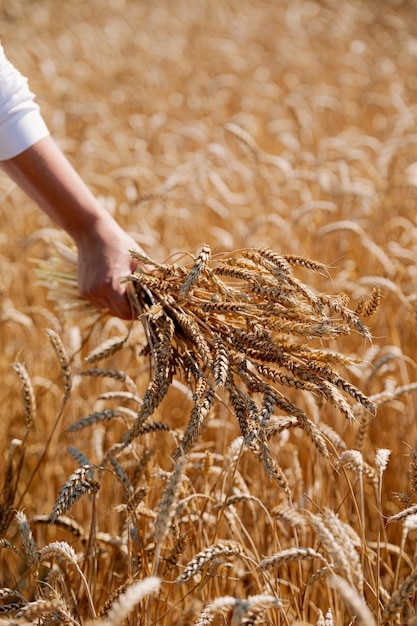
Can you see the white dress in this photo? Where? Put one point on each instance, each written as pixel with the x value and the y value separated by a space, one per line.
pixel 21 124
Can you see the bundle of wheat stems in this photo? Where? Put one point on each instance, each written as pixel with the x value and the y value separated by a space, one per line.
pixel 240 322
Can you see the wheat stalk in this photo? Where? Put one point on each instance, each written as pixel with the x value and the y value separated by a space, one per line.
pixel 241 322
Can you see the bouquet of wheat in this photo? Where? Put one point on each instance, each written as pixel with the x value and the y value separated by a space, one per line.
pixel 239 321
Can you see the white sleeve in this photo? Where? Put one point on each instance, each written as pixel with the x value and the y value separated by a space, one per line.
pixel 21 124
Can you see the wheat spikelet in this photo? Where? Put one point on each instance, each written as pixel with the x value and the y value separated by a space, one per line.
pixel 111 373
pixel 334 548
pixel 289 515
pixel 412 472
pixel 386 284
pixel 106 349
pixel 28 543
pixel 10 607
pixel 215 551
pixel 392 394
pixel 169 500
pixel 58 549
pixel 328 618
pixel 63 358
pixel 198 415
pixel 163 332
pixel 354 600
pixel 411 510
pixel 335 439
pixel 318 576
pixel 221 361
pixel 99 437
pixel 233 453
pixel 224 603
pixel 5 592
pixel 353 460
pixel 62 550
pixel 342 532
pixel 79 456
pixel 410 523
pixel 399 598
pixel 126 601
pixel 67 523
pixel 81 482
pixel 369 303
pixel 28 393
pixel 249 611
pixel 310 264
pixel 134 500
pixel 208 463
pixel 115 595
pixel 244 137
pixel 141 466
pixel 198 267
pixel 98 417
pixel 10 482
pixel 280 424
pixel 338 304
pixel 122 476
pixel 315 435
pixel 364 421
pixel 193 333
pixel 381 459
pixel 352 391
pixel 39 609
pixel 154 394
pixel 6 544
pixel 261 450
pixel 172 559
pixel 121 396
pixel 289 555
pixel 154 427
pixel 240 410
pixel 265 259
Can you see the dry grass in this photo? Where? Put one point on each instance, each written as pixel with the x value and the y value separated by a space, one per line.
pixel 251 126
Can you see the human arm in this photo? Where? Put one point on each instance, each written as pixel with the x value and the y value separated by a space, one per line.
pixel 31 158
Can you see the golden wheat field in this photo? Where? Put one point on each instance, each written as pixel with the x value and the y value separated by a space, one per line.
pixel 245 451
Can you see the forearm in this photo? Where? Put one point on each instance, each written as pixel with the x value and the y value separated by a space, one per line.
pixel 48 178
pixel 45 174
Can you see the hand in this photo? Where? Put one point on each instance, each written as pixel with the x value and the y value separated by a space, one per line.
pixel 103 258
